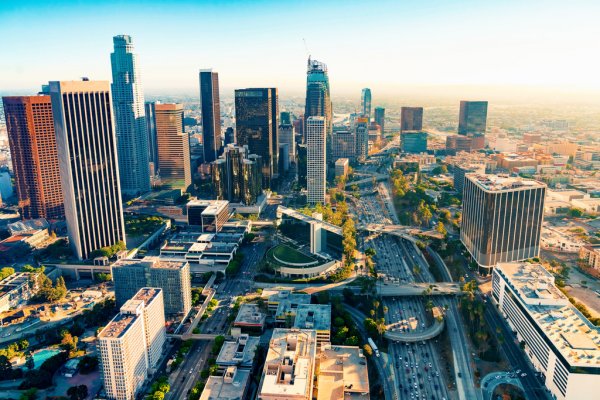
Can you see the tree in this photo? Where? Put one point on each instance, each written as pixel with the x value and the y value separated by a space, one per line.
pixel 29 363
pixel 370 252
pixel 441 228
pixel 88 364
pixel 368 350
pixel 575 212
pixel 68 342
pixel 29 394
pixel 79 392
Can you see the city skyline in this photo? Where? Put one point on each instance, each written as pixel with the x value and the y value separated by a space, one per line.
pixel 482 62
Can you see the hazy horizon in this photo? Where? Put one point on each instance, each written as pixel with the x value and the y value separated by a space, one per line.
pixel 503 51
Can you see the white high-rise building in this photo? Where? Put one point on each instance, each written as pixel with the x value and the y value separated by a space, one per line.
pixel 89 169
pixel 132 343
pixel 130 120
pixel 316 167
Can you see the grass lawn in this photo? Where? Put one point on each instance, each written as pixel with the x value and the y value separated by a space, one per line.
pixel 287 254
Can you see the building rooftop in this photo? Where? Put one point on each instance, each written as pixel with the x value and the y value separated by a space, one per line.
pixel 216 207
pixel 147 294
pixel 230 386
pixel 250 315
pixel 571 334
pixel 343 373
pixel 498 183
pixel 150 262
pixel 289 365
pixel 342 161
pixel 313 316
pixel 240 352
pixel 118 326
pixel 287 302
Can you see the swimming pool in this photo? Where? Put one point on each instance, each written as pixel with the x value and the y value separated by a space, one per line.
pixel 40 356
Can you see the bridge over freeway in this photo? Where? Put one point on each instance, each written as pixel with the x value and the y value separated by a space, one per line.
pixel 419 289
pixel 406 232
pixel 411 337
pixel 369 179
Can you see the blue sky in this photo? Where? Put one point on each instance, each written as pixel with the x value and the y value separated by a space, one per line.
pixel 387 45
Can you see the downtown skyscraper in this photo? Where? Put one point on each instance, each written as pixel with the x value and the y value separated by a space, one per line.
pixel 365 103
pixel 318 97
pixel 256 124
pixel 472 122
pixel 175 170
pixel 89 168
pixel 211 114
pixel 502 218
pixel 130 120
pixel 316 174
pixel 380 118
pixel 34 156
pixel 411 119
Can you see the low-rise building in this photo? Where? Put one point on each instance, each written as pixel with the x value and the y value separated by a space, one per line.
pixel 239 353
pixel 289 366
pixel 560 342
pixel 231 386
pixel 209 214
pixel 590 254
pixel 14 290
pixel 283 306
pixel 250 318
pixel 317 317
pixel 343 373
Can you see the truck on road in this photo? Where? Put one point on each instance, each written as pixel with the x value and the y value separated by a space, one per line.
pixel 373 346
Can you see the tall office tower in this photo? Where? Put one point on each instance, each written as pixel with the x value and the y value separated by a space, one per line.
pixel 256 113
pixel 411 119
pixel 173 277
pixel 343 143
pixel 236 176
pixel 89 168
pixel 130 121
pixel 211 114
pixel 472 119
pixel 380 118
pixel 361 133
pixel 285 118
pixel 287 136
pixel 132 343
pixel 318 97
pixel 34 156
pixel 413 141
pixel 150 108
pixel 302 164
pixel 365 102
pixel 173 147
pixel 229 136
pixel 316 174
pixel 502 218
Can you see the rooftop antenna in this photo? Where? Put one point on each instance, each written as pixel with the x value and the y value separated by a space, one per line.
pixel 306 48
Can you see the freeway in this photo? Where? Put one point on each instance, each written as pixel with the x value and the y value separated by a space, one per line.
pixel 426 334
pixel 463 369
pixel 387 379
pixel 417 366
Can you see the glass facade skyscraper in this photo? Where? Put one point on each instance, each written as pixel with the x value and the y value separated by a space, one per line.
pixel 365 102
pixel 472 117
pixel 380 118
pixel 237 175
pixel 211 114
pixel 318 97
pixel 130 121
pixel 173 147
pixel 413 142
pixel 256 118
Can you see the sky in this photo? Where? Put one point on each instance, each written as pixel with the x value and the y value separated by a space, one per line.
pixel 479 47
